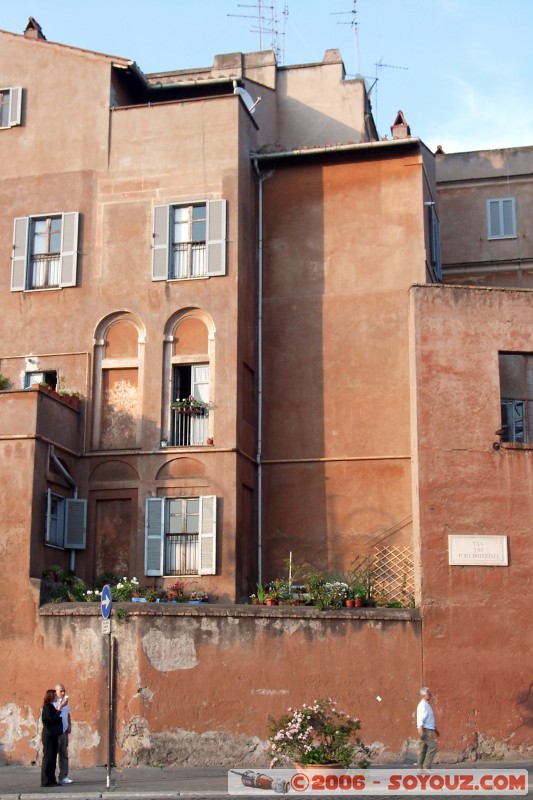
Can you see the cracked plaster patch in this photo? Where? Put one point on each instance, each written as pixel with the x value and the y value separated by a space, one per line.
pixel 166 655
pixel 13 725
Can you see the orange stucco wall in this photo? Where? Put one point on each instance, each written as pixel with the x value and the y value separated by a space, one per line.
pixel 177 672
pixel 477 635
pixel 337 457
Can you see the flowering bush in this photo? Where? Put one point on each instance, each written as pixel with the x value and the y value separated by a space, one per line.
pixel 124 588
pixel 317 734
pixel 199 594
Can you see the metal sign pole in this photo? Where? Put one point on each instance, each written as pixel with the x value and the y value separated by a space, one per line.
pixel 106 603
pixel 109 708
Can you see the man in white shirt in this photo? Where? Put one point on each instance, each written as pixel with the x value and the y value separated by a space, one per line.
pixel 427 730
pixel 62 752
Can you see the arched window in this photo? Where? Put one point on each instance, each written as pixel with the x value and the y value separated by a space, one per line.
pixel 119 350
pixel 189 363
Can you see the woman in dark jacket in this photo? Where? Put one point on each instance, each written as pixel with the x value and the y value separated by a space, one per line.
pixel 52 730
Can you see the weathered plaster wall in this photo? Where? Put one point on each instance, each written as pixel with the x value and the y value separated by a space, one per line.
pixel 196 685
pixel 478 640
pixel 336 367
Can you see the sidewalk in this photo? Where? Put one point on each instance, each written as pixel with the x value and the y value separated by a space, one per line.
pixel 163 783
pixel 24 783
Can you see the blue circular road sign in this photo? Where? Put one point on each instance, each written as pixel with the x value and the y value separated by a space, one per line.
pixel 105 602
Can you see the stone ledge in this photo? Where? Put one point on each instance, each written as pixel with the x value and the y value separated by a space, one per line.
pixel 241 611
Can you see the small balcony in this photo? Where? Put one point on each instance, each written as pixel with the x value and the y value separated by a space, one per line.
pixel 189 427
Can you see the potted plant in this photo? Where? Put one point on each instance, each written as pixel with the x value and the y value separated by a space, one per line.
pixel 198 596
pixel 54 573
pixel 124 589
pixel 190 405
pixel 4 382
pixel 317 735
pixel 325 591
pixel 176 592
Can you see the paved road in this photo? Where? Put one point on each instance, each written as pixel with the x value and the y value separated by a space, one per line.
pixel 170 783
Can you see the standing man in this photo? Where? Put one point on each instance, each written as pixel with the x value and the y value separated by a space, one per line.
pixel 427 730
pixel 62 753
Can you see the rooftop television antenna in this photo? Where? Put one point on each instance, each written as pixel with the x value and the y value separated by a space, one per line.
pixel 380 65
pixel 268 24
pixel 354 24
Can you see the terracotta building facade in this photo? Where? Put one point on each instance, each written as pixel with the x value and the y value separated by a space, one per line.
pixel 240 284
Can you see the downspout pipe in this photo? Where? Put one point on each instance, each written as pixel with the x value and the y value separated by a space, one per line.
pixel 261 177
pixel 68 477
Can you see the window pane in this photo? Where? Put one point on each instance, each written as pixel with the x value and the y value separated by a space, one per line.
pixel 175 516
pixel 193 506
pixel 199 223
pixel 40 243
pixel 494 210
pixel 4 109
pixel 511 375
pixel 192 524
pixel 199 212
pixel 55 235
pixel 181 225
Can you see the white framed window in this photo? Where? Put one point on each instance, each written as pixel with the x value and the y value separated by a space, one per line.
pixel 49 377
pixel 190 425
pixel 66 521
pixel 189 241
pixel 516 396
pixel 180 535
pixel 45 251
pixel 501 218
pixel 10 107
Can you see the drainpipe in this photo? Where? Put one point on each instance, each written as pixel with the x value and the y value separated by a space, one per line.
pixel 72 482
pixel 258 459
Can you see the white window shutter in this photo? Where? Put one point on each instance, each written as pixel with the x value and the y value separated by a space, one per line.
pixel 160 245
pixel 216 237
pixel 15 106
pixel 207 535
pixel 508 226
pixel 69 249
pixel 154 533
pixel 20 254
pixel 75 524
pixel 493 209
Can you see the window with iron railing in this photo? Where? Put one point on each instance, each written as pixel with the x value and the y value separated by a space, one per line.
pixel 190 405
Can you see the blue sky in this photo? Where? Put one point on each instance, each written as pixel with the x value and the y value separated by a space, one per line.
pixel 460 70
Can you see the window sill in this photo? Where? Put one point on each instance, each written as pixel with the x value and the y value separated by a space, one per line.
pixel 516 446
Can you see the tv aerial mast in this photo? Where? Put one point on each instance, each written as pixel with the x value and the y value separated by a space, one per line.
pixel 267 23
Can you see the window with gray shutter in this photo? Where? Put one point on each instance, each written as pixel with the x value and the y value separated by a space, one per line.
pixel 180 535
pixel 66 521
pixel 45 251
pixel 189 241
pixel 501 218
pixel 10 107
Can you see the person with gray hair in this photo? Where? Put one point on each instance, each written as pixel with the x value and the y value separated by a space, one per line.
pixel 427 730
pixel 62 704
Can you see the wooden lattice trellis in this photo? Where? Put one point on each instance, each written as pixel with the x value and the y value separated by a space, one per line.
pixel 393 573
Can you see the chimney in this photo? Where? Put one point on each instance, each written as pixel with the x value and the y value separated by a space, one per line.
pixel 33 30
pixel 400 129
